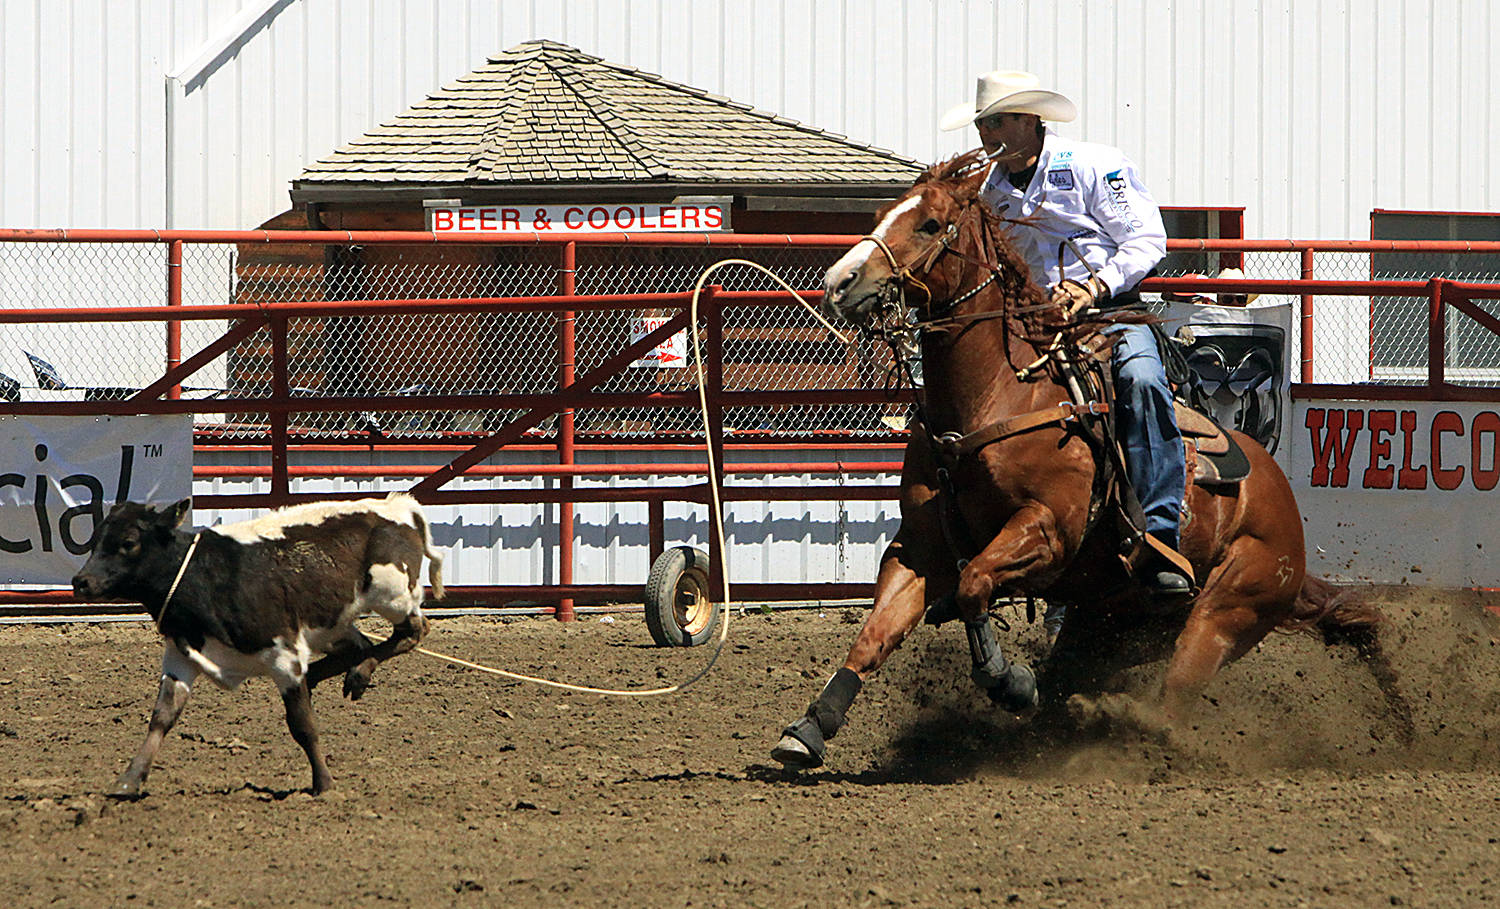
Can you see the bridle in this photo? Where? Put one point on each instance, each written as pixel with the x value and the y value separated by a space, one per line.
pixel 896 313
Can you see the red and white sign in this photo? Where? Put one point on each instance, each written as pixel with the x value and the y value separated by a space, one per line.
pixel 578 219
pixel 669 354
pixel 1399 491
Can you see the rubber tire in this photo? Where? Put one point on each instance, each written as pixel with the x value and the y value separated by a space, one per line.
pixel 678 572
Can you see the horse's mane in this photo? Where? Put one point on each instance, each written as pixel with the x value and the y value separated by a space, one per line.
pixel 962 177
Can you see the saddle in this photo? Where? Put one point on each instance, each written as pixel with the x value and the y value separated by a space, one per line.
pixel 1213 458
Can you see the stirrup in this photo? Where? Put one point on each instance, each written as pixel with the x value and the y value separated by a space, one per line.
pixel 1168 583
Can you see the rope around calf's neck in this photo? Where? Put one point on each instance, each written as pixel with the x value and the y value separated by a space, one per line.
pixel 715 509
pixel 181 570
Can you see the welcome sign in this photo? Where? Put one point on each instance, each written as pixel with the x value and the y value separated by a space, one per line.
pixel 59 476
pixel 1399 491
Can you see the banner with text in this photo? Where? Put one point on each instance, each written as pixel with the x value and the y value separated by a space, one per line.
pixel 59 476
pixel 579 218
pixel 1399 492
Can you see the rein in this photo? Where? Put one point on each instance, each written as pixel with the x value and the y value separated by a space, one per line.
pixel 899 324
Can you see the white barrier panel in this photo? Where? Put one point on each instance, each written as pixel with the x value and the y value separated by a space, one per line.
pixel 778 541
pixel 60 475
pixel 1399 492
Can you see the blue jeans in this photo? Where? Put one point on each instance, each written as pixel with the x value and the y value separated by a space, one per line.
pixel 1148 430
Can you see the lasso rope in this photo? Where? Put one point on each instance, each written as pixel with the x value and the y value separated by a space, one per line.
pixel 715 511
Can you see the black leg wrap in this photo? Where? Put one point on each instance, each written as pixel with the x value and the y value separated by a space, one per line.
pixel 829 708
pixel 1010 685
pixel 989 662
pixel 803 744
pixel 806 731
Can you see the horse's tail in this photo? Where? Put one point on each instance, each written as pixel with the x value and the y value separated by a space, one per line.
pixel 1338 615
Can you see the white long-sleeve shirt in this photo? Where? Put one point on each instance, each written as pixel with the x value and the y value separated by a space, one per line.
pixel 1091 194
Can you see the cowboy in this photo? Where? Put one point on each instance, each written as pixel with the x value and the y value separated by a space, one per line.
pixel 1091 231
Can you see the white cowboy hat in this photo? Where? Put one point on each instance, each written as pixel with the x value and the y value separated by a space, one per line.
pixel 1010 91
pixel 1228 299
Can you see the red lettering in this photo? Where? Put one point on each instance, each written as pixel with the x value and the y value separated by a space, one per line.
pixel 624 217
pixel 510 217
pixel 667 215
pixel 646 222
pixel 1487 423
pixel 690 216
pixel 603 215
pixel 1378 475
pixel 466 219
pixel 1445 477
pixel 442 219
pixel 1333 446
pixel 1409 477
pixel 487 219
pixel 713 217
pixel 570 215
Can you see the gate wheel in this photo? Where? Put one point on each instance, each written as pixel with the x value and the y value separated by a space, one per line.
pixel 679 610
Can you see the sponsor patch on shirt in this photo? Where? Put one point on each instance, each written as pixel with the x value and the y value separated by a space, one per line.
pixel 1060 177
pixel 1115 181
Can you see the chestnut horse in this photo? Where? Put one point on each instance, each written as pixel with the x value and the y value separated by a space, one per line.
pixel 1005 465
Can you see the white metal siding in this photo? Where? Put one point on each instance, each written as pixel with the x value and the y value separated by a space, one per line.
pixel 783 542
pixel 1308 113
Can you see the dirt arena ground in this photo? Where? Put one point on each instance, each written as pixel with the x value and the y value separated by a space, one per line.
pixel 1293 788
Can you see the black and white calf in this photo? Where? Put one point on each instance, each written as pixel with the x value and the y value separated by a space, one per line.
pixel 262 597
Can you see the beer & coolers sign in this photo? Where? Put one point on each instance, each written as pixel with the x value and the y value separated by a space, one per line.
pixel 578 219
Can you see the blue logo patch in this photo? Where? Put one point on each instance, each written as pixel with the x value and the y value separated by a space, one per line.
pixel 1060 177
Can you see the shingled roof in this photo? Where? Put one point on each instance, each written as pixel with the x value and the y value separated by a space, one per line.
pixel 545 113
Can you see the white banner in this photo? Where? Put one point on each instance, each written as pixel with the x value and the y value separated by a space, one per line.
pixel 1399 492
pixel 60 475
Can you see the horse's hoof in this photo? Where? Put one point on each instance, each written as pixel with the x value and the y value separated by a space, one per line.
pixel 801 746
pixel 1018 693
pixel 793 755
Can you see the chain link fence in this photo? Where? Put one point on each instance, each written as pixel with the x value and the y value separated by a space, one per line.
pixel 767 347
pixel 1362 339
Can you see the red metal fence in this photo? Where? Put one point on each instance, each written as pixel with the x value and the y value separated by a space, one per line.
pixel 837 395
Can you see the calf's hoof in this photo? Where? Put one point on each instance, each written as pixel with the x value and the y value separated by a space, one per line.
pixel 356 681
pixel 126 790
pixel 801 746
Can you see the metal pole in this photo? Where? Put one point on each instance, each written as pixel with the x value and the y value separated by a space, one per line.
pixel 280 391
pixel 1436 335
pixel 713 356
pixel 174 327
pixel 1307 318
pixel 566 360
